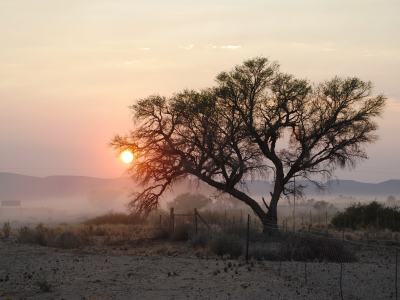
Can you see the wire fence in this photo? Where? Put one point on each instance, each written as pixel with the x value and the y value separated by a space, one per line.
pixel 326 263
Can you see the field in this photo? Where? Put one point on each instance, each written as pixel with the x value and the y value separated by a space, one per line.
pixel 142 261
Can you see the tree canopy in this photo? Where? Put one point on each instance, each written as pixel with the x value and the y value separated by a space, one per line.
pixel 234 131
pixel 187 202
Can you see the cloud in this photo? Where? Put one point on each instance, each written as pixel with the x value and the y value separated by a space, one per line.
pixel 128 62
pixel 230 47
pixel 188 47
pixel 145 48
pixel 211 46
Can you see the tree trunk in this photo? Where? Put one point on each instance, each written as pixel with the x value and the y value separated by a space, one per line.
pixel 271 221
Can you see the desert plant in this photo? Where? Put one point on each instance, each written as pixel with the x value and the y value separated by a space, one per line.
pixel 6 229
pixel 115 218
pixel 226 244
pixel 161 233
pixel 302 247
pixel 40 238
pixel 373 214
pixel 199 240
pixel 43 285
pixel 261 254
pixel 25 234
pixel 98 231
pixel 68 240
pixel 181 233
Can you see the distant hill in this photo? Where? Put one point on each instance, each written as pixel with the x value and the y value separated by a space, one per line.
pixel 355 188
pixel 22 187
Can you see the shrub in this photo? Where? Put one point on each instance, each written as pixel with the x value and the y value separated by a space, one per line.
pixel 226 244
pixel 300 248
pixel 25 234
pixel 260 254
pixel 115 218
pixel 40 238
pixel 68 240
pixel 99 231
pixel 181 233
pixel 43 285
pixel 6 229
pixel 373 214
pixel 240 230
pixel 51 237
pixel 161 233
pixel 199 240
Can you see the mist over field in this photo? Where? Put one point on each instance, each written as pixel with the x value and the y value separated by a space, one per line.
pixel 56 199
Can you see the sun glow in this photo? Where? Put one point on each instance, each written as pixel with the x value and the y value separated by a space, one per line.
pixel 127 157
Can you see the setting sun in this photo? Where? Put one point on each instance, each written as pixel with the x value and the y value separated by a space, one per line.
pixel 127 156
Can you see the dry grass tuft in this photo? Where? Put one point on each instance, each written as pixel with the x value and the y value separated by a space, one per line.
pixel 300 248
pixel 6 229
pixel 116 218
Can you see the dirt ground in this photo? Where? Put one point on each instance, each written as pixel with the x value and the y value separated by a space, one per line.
pixel 90 274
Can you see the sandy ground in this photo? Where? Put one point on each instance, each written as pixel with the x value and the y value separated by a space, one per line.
pixel 86 274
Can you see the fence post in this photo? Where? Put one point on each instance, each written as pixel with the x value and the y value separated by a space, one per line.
pixel 341 268
pixel 248 233
pixel 160 221
pixel 377 219
pixel 341 274
pixel 305 260
pixel 171 219
pixel 326 221
pixel 396 264
pixel 195 219
pixel 363 219
pixel 310 218
pixel 294 222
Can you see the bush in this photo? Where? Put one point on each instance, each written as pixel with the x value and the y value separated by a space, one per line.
pixel 260 254
pixel 301 248
pixel 181 233
pixel 115 218
pixel 226 244
pixel 40 238
pixel 199 240
pixel 99 231
pixel 25 234
pixel 240 230
pixel 161 234
pixel 49 237
pixel 373 214
pixel 68 240
pixel 43 285
pixel 6 229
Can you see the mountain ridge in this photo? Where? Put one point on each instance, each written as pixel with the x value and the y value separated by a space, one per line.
pixel 18 186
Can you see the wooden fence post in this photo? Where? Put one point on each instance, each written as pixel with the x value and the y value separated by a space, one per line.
pixel 195 218
pixel 172 219
pixel 248 233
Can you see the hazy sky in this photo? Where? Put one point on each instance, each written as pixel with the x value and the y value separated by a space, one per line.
pixel 70 69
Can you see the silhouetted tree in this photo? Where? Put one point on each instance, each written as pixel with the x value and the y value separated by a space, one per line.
pixel 188 202
pixel 391 199
pixel 230 133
